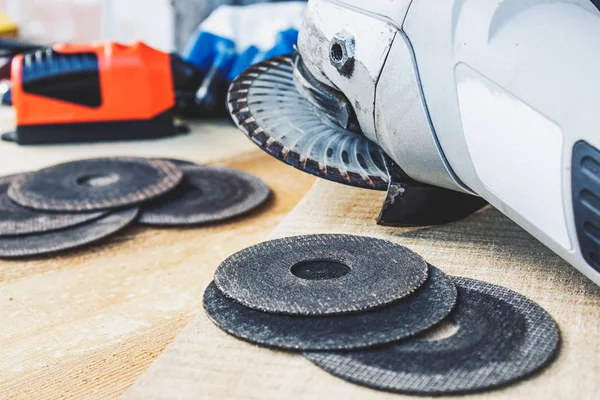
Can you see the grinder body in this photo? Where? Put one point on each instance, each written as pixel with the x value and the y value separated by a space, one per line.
pixel 495 99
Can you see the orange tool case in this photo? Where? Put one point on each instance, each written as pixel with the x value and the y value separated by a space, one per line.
pixel 96 92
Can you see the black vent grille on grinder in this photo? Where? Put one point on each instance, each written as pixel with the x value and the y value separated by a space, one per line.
pixel 586 200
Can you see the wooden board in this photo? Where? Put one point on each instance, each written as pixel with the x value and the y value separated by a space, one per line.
pixel 206 143
pixel 205 363
pixel 86 324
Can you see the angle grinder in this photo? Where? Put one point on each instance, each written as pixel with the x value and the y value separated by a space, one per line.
pixel 446 108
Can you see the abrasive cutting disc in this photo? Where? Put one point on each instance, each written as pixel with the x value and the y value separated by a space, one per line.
pixel 16 220
pixel 266 105
pixel 502 337
pixel 321 274
pixel 68 238
pixel 206 194
pixel 431 303
pixel 95 184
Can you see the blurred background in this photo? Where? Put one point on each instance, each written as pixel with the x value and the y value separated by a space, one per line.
pixel 208 55
pixel 163 24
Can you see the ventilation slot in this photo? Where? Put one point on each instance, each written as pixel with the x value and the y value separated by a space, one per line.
pixel 586 200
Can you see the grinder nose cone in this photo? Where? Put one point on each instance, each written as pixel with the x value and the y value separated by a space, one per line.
pixel 267 107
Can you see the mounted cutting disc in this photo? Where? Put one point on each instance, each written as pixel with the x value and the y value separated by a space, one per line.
pixel 267 106
pixel 68 238
pixel 206 194
pixel 16 220
pixel 321 274
pixel 502 337
pixel 431 303
pixel 95 184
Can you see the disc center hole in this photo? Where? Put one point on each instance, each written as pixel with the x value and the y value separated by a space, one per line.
pixel 337 53
pixel 319 269
pixel 443 330
pixel 97 180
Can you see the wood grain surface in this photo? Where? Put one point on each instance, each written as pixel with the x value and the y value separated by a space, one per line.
pixel 205 363
pixel 85 324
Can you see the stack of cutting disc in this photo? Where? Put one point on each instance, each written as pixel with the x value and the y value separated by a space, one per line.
pixel 80 202
pixel 375 313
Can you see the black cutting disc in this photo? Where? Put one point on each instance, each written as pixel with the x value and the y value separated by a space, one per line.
pixel 68 238
pixel 17 220
pixel 266 105
pixel 431 303
pixel 206 194
pixel 502 337
pixel 95 184
pixel 321 274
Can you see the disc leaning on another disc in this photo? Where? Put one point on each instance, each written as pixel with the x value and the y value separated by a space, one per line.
pixel 95 184
pixel 16 220
pixel 502 337
pixel 205 195
pixel 67 238
pixel 426 307
pixel 321 274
